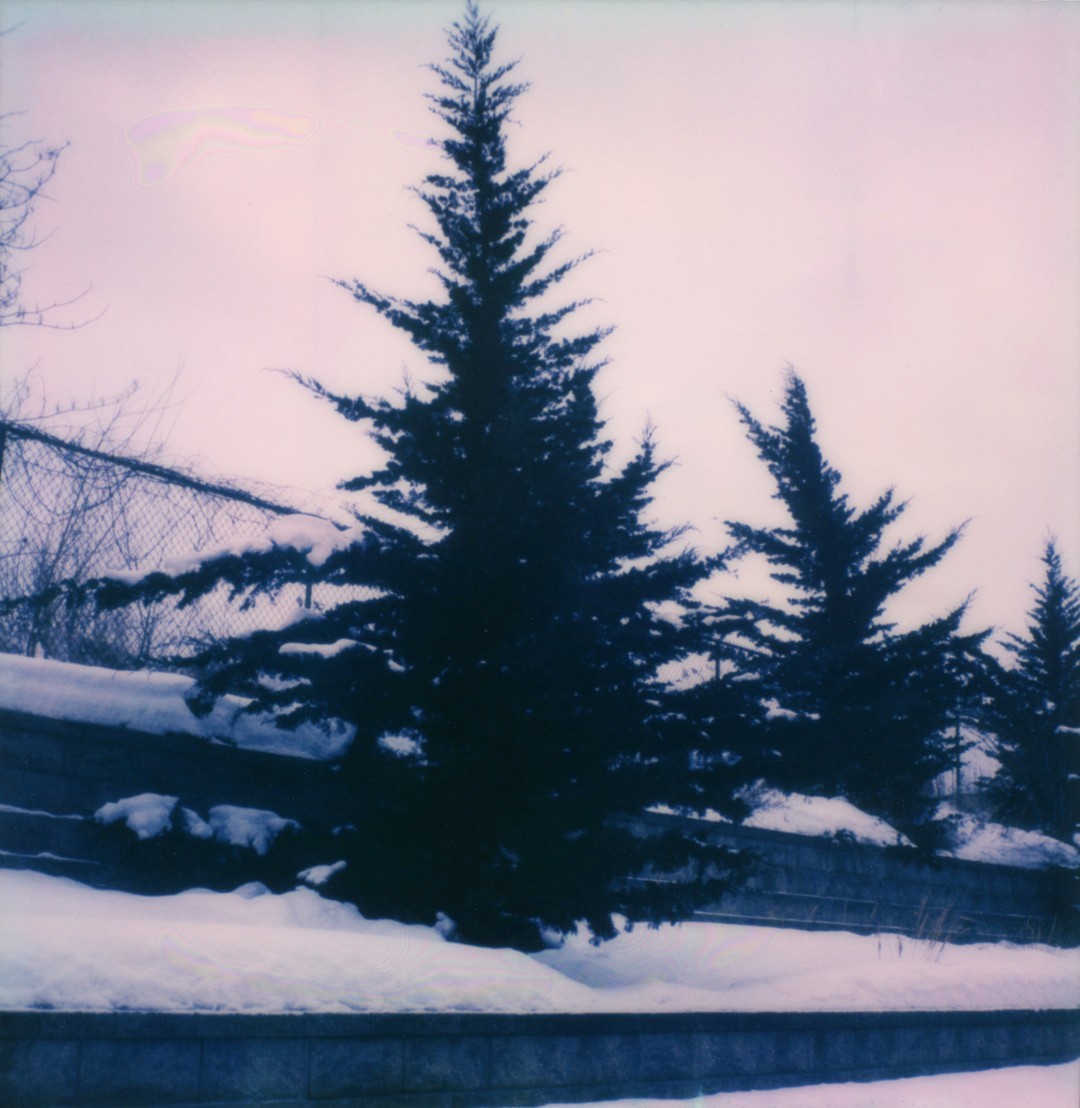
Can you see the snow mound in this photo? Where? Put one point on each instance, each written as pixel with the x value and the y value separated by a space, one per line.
pixel 978 840
pixel 154 703
pixel 817 815
pixel 73 948
pixel 251 827
pixel 150 815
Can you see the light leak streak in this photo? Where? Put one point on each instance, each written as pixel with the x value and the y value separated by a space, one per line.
pixel 167 142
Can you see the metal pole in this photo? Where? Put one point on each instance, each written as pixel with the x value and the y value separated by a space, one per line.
pixel 957 765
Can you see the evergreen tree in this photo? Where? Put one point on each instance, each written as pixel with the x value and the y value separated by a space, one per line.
pixel 1036 709
pixel 860 708
pixel 514 639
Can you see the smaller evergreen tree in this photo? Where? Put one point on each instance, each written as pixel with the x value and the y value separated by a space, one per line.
pixel 1036 709
pixel 857 706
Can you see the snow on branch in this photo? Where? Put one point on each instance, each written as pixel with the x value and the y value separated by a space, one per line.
pixel 312 536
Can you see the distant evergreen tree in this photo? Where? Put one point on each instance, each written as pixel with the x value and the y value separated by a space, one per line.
pixel 857 707
pixel 1036 709
pixel 516 637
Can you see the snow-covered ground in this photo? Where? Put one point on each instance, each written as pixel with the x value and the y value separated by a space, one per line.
pixel 69 947
pixel 1036 1086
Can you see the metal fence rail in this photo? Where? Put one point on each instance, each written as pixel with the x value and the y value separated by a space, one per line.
pixel 71 513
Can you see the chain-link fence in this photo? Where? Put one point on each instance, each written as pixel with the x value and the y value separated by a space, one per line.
pixel 69 513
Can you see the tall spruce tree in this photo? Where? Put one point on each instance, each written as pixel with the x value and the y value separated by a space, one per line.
pixel 515 637
pixel 1035 709
pixel 860 707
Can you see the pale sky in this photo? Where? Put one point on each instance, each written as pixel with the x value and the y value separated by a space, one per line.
pixel 883 196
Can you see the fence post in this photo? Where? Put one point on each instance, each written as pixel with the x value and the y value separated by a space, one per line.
pixel 3 443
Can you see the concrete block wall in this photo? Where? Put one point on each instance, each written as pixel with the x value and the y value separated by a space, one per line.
pixel 59 768
pixel 76 1059
pixel 54 775
pixel 819 882
pixel 65 767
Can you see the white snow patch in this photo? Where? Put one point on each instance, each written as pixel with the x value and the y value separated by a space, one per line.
pixel 710 815
pixel 445 925
pixel 154 703
pixel 73 948
pixel 403 745
pixel 251 827
pixel 816 815
pixel 774 711
pixel 148 814
pixel 323 650
pixel 317 876
pixel 978 840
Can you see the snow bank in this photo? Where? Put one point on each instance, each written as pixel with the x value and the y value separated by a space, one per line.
pixel 1038 1086
pixel 155 703
pixel 978 840
pixel 816 815
pixel 69 947
pixel 776 969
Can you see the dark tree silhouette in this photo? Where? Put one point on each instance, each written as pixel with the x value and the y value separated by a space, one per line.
pixel 1035 710
pixel 859 707
pixel 516 639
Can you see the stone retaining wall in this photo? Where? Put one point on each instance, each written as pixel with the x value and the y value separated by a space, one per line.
pixel 62 1059
pixel 66 767
pixel 73 768
pixel 815 882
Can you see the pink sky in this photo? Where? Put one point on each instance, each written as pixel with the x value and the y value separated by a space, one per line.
pixel 882 195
